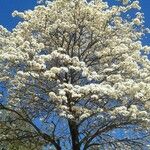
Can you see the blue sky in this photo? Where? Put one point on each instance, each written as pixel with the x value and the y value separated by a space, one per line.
pixel 8 6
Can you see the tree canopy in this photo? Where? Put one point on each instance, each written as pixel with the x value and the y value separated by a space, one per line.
pixel 78 77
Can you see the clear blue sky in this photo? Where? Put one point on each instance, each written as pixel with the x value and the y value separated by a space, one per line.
pixel 8 6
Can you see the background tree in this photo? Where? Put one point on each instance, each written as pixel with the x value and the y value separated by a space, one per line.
pixel 78 77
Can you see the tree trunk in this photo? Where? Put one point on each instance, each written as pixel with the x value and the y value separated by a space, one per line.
pixel 74 135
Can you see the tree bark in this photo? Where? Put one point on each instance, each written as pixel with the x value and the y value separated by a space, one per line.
pixel 74 135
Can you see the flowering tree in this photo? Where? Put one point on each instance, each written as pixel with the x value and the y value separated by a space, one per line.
pixel 77 76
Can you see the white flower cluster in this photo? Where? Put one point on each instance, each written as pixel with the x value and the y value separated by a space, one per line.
pixel 133 112
pixel 77 53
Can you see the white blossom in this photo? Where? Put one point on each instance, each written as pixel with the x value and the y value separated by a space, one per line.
pixel 78 61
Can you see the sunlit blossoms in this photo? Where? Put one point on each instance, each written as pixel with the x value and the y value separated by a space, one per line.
pixel 71 61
